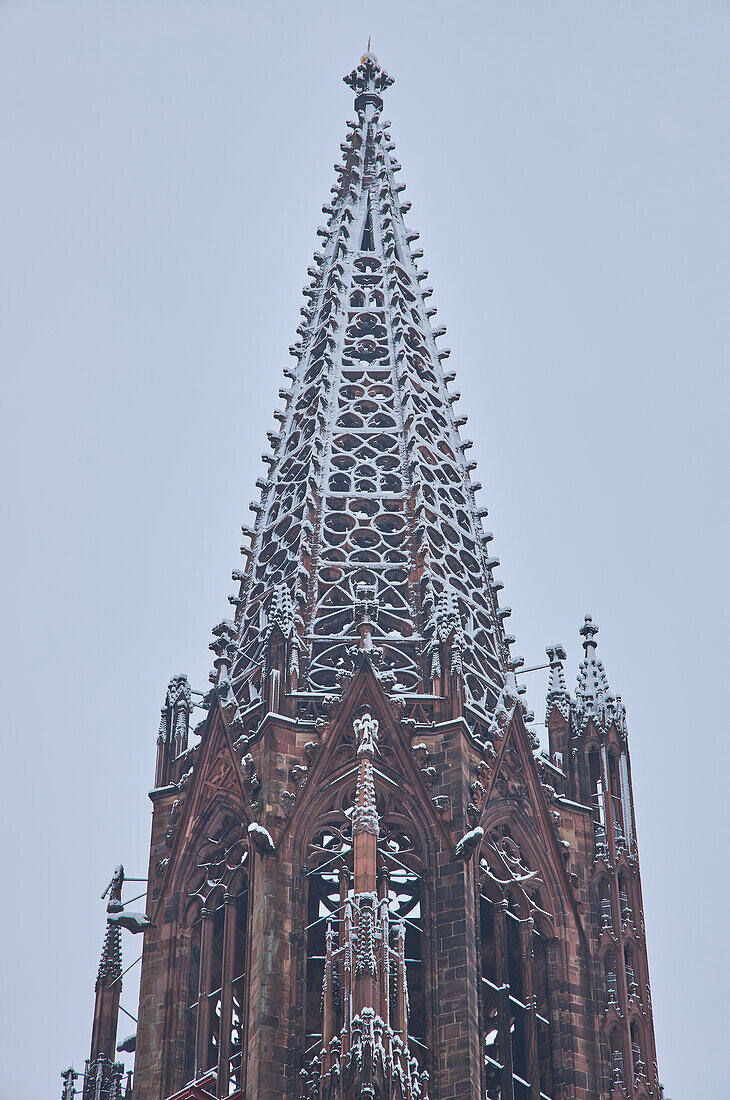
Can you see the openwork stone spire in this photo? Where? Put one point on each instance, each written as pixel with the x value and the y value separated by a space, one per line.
pixel 368 481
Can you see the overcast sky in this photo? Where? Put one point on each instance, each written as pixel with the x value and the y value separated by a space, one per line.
pixel 162 170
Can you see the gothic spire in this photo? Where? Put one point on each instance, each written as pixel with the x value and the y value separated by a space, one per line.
pixel 368 480
pixel 593 695
pixel 557 693
pixel 110 964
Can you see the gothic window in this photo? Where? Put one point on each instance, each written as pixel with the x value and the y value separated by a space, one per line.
pixel 598 801
pixel 218 888
pixel 542 1005
pixel 605 908
pixel 637 1058
pixel 610 978
pixel 515 991
pixel 632 987
pixel 625 789
pixel 617 1057
pixel 331 914
pixel 616 803
pixel 596 787
pixel 624 899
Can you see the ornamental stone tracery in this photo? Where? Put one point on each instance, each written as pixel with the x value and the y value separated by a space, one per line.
pixel 368 482
pixel 367 878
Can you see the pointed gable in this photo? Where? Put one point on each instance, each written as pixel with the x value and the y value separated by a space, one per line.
pixel 217 781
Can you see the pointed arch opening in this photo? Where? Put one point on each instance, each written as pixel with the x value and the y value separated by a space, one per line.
pixel 330 898
pixel 515 1001
pixel 218 916
pixel 364 993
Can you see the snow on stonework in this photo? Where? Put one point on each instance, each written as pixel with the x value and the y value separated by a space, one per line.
pixel 594 699
pixel 368 479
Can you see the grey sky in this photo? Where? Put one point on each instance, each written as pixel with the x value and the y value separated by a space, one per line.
pixel 162 172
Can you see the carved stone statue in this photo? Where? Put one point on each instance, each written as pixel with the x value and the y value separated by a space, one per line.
pixel 114 890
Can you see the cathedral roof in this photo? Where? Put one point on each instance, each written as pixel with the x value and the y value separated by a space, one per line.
pixel 369 481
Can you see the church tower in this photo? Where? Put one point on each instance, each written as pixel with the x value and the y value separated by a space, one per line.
pixel 366 879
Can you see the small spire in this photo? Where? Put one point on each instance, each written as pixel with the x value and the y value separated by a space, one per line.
pixel 557 693
pixel 592 682
pixel 589 631
pixel 110 964
pixel 594 698
pixel 556 656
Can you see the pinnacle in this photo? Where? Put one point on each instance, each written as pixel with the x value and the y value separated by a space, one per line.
pixel 110 964
pixel 592 682
pixel 588 631
pixel 594 698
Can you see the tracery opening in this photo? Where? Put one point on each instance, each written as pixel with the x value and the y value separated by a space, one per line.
pixel 514 976
pixel 215 1018
pixel 364 989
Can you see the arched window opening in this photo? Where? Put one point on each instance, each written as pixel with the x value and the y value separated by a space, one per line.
pixel 624 902
pixel 605 907
pixel 616 803
pixel 490 988
pixel 617 1058
pixel 637 1058
pixel 632 987
pixel 514 978
pixel 625 789
pixel 598 802
pixel 542 999
pixel 338 918
pixel 367 243
pixel 610 979
pixel 214 1027
pixel 519 1011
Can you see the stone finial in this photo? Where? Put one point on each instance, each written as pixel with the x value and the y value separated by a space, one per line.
pixel 557 693
pixel 68 1077
pixel 367 80
pixel 592 682
pixel 589 631
pixel 224 647
pixel 594 699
